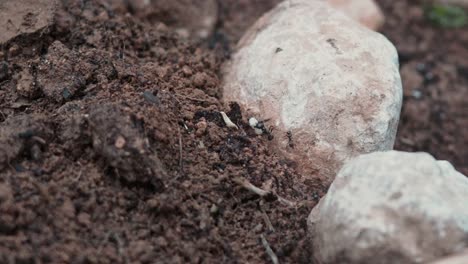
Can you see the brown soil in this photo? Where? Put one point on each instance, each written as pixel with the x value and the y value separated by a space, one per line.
pixel 112 148
pixel 434 69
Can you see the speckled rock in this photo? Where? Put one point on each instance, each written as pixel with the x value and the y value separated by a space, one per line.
pixel 367 12
pixel 320 77
pixel 391 207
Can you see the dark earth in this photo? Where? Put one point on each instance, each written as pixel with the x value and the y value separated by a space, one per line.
pixel 112 148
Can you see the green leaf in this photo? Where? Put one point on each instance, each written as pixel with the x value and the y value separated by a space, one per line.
pixel 447 16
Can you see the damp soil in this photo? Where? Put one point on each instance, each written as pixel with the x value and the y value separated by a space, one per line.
pixel 434 69
pixel 113 150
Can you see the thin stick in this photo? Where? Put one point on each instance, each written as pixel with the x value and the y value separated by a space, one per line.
pixel 266 219
pixel 268 249
pixel 39 139
pixel 79 176
pixel 181 165
pixel 249 186
pixel 42 191
pixel 262 193
pixel 3 115
pixel 286 202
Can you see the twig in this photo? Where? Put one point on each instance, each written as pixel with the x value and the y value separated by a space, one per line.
pixel 249 186
pixel 181 165
pixel 118 242
pixel 262 193
pixel 3 115
pixel 120 250
pixel 79 176
pixel 266 219
pixel 407 141
pixel 39 139
pixel 268 249
pixel 42 191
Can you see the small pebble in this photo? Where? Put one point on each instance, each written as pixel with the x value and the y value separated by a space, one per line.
pixel 199 79
pixel 201 145
pixel 14 50
pixel 421 67
pixel 417 94
pixel 214 209
pixel 84 219
pixel 120 142
pixel 187 71
pixel 201 127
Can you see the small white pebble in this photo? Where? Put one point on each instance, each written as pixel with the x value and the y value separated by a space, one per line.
pixel 120 142
pixel 417 94
pixel 201 145
pixel 228 121
pixel 214 209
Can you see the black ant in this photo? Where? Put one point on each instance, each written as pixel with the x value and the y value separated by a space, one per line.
pixel 290 140
pixel 316 196
pixel 261 125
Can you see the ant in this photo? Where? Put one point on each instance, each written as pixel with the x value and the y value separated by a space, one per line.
pixel 316 196
pixel 261 125
pixel 290 140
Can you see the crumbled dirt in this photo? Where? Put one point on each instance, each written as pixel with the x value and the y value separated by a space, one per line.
pixel 112 148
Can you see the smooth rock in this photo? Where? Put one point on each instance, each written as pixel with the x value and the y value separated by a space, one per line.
pixel 391 207
pixel 330 87
pixel 367 12
pixel 19 17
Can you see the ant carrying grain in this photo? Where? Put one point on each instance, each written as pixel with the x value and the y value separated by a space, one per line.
pixel 260 127
pixel 290 140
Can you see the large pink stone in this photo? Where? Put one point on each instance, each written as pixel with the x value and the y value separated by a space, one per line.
pixel 392 207
pixel 325 78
